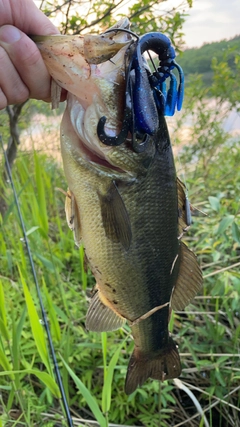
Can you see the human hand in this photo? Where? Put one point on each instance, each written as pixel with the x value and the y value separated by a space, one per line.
pixel 23 73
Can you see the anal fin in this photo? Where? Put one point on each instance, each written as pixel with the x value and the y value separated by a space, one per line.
pixel 101 318
pixel 162 366
pixel 189 281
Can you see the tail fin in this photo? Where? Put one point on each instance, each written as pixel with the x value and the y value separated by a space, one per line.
pixel 163 366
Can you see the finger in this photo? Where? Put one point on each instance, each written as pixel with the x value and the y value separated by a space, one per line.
pixel 3 100
pixel 28 64
pixel 26 16
pixel 13 90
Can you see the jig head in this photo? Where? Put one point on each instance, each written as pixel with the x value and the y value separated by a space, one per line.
pixel 166 101
pixel 146 95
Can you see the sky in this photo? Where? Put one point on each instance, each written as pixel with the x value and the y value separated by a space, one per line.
pixel 212 20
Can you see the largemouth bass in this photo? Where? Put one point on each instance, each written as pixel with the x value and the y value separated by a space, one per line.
pixel 124 201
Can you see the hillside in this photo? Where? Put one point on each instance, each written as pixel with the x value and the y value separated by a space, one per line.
pixel 198 60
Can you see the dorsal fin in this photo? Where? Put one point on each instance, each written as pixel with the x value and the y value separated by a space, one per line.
pixel 183 208
pixel 189 281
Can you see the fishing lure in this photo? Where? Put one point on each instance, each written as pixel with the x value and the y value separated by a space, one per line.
pixel 147 96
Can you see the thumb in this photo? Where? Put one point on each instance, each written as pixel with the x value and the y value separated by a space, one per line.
pixel 23 72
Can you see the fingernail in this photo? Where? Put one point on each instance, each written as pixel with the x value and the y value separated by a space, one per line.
pixel 9 34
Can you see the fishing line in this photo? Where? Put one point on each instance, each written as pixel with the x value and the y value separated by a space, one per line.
pixel 153 64
pixel 123 30
pixel 44 316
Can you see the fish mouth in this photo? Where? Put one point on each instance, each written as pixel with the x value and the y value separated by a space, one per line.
pixel 86 143
pixel 100 161
pixel 92 69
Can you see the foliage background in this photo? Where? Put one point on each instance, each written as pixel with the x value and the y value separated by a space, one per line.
pixel 93 366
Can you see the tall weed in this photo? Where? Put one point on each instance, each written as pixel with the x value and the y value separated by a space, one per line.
pixel 93 366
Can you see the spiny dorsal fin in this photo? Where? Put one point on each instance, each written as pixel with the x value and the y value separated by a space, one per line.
pixel 115 217
pixel 73 216
pixel 189 281
pixel 183 208
pixel 101 318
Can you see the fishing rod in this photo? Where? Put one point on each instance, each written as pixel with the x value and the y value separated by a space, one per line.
pixel 44 315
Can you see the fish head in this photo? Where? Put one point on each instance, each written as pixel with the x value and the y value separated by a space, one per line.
pixel 92 68
pixel 70 59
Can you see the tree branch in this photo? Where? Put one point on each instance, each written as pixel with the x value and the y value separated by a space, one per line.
pixel 107 13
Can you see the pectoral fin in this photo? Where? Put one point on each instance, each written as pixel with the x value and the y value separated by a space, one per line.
pixel 73 216
pixel 115 217
pixel 101 318
pixel 189 280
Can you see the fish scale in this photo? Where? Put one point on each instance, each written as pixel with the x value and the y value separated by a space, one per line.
pixel 140 268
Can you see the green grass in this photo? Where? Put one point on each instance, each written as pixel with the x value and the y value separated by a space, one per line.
pixel 93 366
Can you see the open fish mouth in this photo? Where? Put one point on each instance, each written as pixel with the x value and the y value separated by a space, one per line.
pixel 83 143
pixel 85 147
